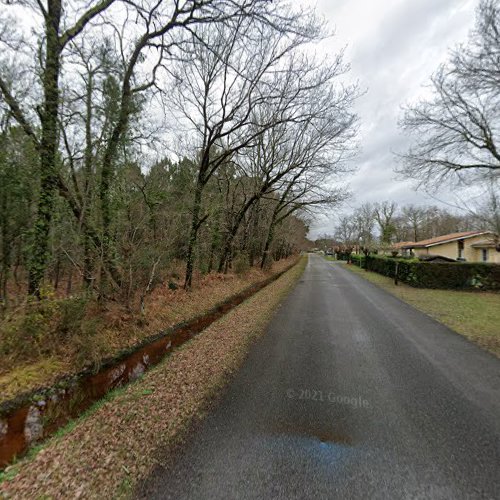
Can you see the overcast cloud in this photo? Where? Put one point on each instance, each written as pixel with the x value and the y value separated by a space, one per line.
pixel 393 47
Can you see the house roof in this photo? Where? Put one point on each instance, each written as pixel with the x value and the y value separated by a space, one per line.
pixel 484 244
pixel 445 238
pixel 403 244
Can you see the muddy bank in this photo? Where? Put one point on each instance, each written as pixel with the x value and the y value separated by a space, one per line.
pixel 31 417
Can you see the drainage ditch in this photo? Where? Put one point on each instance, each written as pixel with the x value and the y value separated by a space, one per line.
pixel 34 416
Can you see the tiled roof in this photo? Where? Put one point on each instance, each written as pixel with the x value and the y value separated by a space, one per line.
pixel 445 238
pixel 403 244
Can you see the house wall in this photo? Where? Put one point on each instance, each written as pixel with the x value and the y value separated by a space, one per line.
pixel 446 250
pixel 451 250
pixel 493 255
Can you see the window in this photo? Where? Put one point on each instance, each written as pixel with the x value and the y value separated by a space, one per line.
pixel 460 249
pixel 484 253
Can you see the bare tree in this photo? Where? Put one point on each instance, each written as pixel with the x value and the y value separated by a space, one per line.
pixel 457 129
pixel 412 217
pixel 482 206
pixel 232 71
pixel 345 231
pixel 487 212
pixel 295 164
pixel 385 214
pixel 57 35
pixel 364 221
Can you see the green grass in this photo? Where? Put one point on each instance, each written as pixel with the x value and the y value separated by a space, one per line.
pixel 475 315
pixel 17 379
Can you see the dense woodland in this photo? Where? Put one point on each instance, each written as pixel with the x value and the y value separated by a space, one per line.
pixel 139 135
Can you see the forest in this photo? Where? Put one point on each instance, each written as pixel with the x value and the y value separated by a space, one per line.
pixel 139 135
pixel 155 158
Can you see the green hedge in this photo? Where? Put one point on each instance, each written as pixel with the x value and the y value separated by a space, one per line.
pixel 357 259
pixel 342 255
pixel 447 275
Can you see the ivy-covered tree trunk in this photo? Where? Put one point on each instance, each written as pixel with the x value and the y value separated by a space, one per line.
pixel 254 240
pixel 48 150
pixel 87 189
pixel 6 249
pixel 109 269
pixel 193 235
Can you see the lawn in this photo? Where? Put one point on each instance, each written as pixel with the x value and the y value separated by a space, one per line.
pixel 475 315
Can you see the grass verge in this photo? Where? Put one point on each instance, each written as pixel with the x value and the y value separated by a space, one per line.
pixel 118 441
pixel 475 315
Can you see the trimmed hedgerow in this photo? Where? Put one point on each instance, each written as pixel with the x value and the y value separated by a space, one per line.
pixel 445 275
pixel 357 259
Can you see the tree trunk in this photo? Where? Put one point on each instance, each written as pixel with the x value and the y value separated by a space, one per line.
pixel 213 248
pixel 48 150
pixel 108 267
pixel 269 240
pixel 87 194
pixel 6 250
pixel 57 271
pixel 107 174
pixel 69 285
pixel 228 245
pixel 226 252
pixel 254 240
pixel 195 226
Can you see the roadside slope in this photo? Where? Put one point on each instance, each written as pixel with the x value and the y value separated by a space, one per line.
pixel 93 334
pixel 106 453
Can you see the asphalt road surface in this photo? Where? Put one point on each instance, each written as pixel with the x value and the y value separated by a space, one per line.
pixel 350 394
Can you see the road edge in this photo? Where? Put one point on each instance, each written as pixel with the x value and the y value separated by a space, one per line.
pixel 117 443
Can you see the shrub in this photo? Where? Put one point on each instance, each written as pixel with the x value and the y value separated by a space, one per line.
pixel 88 345
pixel 358 260
pixel 445 275
pixel 241 264
pixel 343 255
pixel 72 312
pixel 42 328
pixel 172 285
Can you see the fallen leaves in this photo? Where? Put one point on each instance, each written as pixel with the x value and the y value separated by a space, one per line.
pixel 122 331
pixel 106 453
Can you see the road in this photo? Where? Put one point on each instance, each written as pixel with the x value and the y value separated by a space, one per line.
pixel 351 393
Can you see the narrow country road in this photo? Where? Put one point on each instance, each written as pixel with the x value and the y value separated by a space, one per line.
pixel 350 394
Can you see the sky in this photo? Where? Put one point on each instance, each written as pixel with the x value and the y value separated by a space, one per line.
pixel 393 47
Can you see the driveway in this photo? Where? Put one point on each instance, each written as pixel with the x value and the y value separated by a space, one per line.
pixel 351 393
